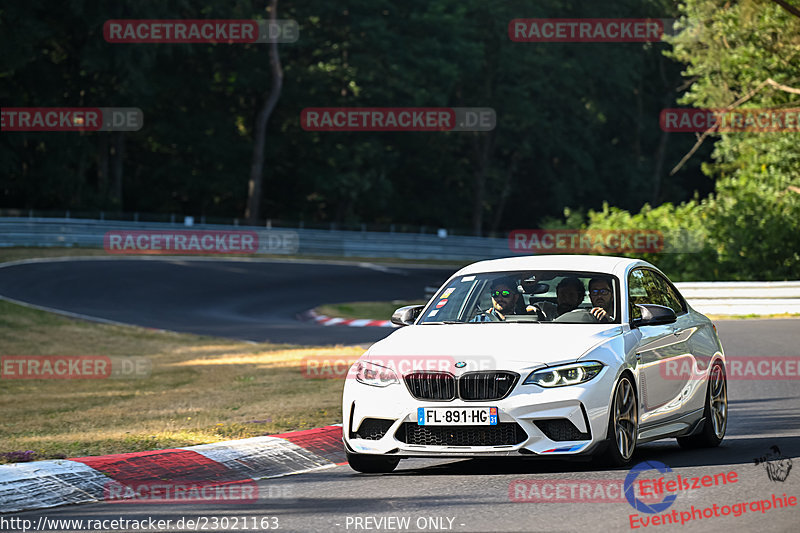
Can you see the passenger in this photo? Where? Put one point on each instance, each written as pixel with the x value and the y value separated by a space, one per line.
pixel 602 296
pixel 569 295
pixel 505 297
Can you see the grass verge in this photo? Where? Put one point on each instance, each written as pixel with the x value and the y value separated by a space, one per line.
pixel 372 310
pixel 200 390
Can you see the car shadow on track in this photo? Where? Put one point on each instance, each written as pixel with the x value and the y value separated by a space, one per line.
pixel 734 450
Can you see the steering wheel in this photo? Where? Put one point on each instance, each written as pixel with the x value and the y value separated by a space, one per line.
pixel 478 312
pixel 492 317
pixel 541 314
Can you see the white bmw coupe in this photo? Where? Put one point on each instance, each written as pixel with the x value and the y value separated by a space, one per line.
pixel 548 356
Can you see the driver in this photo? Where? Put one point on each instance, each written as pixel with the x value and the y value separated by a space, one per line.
pixel 505 297
pixel 602 297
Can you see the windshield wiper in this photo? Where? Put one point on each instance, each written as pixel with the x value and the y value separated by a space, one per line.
pixel 445 322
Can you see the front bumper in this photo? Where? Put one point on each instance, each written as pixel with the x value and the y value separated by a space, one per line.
pixel 540 415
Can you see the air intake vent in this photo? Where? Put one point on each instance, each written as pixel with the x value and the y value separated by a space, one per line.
pixel 560 429
pixel 373 428
pixel 503 434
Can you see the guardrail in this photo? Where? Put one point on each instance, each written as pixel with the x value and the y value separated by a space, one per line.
pixel 742 297
pixel 63 232
pixel 723 298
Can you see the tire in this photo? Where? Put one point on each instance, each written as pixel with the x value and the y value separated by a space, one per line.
pixel 623 424
pixel 369 464
pixel 715 412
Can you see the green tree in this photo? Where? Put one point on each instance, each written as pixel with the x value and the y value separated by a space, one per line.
pixel 741 55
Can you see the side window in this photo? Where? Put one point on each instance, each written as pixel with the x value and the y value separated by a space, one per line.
pixel 670 296
pixel 644 288
pixel 636 292
pixel 484 298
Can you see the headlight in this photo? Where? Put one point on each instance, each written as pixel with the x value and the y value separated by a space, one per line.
pixel 375 375
pixel 561 376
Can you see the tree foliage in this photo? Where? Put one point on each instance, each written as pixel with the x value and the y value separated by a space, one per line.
pixel 577 123
pixel 750 225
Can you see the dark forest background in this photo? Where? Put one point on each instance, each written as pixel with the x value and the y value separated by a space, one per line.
pixel 577 141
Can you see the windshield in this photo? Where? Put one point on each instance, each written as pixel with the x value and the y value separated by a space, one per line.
pixel 555 297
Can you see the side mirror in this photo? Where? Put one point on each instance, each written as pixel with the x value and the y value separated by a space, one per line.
pixel 654 315
pixel 405 316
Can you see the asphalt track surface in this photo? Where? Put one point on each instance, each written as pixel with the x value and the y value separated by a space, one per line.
pixel 255 300
pixel 474 495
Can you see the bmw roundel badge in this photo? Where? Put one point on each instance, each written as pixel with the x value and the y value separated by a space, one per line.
pixel 461 364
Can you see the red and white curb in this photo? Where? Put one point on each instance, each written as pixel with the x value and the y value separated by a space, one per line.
pixel 223 472
pixel 326 320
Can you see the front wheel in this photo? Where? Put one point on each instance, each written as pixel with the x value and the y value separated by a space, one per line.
pixel 372 464
pixel 715 413
pixel 623 424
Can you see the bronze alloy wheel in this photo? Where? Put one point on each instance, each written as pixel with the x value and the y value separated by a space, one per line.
pixel 718 401
pixel 626 417
pixel 715 412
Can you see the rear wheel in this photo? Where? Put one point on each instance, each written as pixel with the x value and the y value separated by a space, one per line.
pixel 715 413
pixel 372 464
pixel 623 424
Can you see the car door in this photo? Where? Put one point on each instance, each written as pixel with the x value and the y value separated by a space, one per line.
pixel 659 349
pixel 691 350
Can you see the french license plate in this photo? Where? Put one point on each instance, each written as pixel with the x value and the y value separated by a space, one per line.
pixel 457 416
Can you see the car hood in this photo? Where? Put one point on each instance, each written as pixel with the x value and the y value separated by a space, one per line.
pixel 510 346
